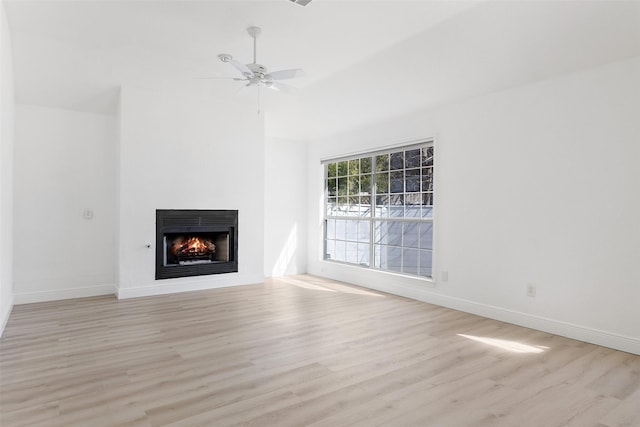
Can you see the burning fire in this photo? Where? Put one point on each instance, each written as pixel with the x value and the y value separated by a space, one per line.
pixel 192 246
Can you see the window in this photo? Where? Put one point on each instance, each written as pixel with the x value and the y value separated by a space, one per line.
pixel 379 210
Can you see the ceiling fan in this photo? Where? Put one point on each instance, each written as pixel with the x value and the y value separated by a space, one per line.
pixel 258 75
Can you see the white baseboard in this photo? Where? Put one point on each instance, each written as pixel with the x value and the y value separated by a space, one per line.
pixel 565 329
pixel 5 315
pixel 60 294
pixel 172 286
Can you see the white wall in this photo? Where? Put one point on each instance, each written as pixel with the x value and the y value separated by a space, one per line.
pixel 6 170
pixel 538 184
pixel 178 152
pixel 64 164
pixel 285 218
pixel 493 46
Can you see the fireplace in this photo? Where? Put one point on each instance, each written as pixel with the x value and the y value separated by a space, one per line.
pixel 196 242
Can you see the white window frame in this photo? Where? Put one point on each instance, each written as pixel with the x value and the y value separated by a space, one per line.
pixel 377 214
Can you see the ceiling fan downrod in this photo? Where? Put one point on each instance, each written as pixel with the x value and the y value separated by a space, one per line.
pixel 254 32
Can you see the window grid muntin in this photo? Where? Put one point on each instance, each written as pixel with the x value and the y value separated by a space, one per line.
pixel 396 160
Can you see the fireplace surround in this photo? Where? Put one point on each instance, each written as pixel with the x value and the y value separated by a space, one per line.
pixel 196 242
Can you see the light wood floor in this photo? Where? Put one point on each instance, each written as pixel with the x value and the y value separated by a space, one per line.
pixel 295 352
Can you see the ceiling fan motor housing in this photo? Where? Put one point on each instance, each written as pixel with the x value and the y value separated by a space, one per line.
pixel 258 69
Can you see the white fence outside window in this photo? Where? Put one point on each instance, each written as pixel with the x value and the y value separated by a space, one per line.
pixel 379 210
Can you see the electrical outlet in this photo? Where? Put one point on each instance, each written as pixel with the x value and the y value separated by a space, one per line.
pixel 531 290
pixel 444 276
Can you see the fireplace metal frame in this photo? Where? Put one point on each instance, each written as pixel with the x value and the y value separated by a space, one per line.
pixel 196 221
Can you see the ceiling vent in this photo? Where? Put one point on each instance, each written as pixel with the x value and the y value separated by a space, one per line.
pixel 301 2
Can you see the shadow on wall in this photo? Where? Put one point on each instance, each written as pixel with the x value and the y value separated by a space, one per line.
pixel 286 259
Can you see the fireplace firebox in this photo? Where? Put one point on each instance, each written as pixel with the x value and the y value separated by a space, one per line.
pixel 196 242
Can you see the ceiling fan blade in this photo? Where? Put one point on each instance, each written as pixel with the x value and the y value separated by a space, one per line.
pixel 280 87
pixel 241 67
pixel 219 78
pixel 244 89
pixel 286 74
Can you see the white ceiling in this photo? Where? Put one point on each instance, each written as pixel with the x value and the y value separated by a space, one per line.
pixel 494 46
pixel 75 54
pixel 366 60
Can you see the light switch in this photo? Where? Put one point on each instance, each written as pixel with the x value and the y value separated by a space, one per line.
pixel 87 214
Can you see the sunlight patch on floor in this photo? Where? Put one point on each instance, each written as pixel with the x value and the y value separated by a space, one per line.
pixel 328 287
pixel 356 291
pixel 306 285
pixel 509 345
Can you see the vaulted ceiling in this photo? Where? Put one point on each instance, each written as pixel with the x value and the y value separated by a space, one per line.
pixel 364 59
pixel 74 54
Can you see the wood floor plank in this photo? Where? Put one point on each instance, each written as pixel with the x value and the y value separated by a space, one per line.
pixel 626 414
pixel 299 351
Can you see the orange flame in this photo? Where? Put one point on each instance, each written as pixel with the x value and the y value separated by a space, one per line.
pixel 193 246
